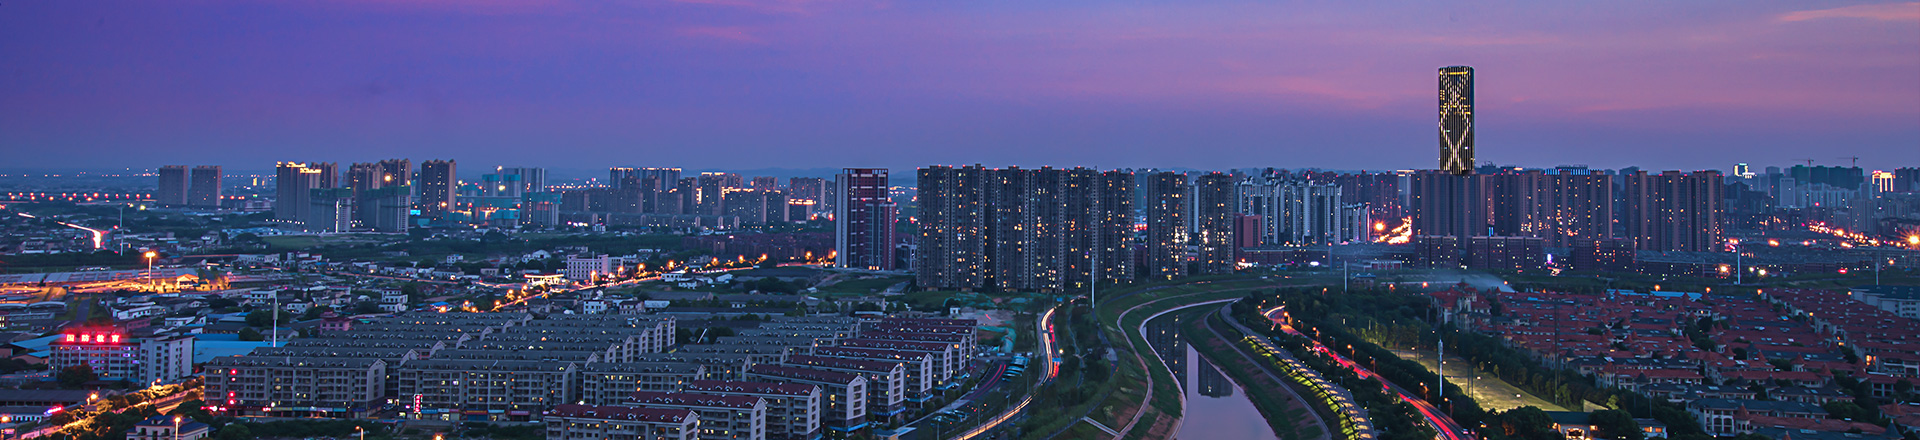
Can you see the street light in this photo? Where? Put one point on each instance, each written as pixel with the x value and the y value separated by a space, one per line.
pixel 176 428
pixel 150 256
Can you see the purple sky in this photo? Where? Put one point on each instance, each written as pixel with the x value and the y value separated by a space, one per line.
pixel 803 83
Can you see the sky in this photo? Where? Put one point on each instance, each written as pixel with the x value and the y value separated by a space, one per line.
pixel 745 84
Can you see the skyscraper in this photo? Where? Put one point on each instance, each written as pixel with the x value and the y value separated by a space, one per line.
pixel 863 224
pixel 1294 211
pixel 532 180
pixel 1041 229
pixel 205 189
pixel 293 186
pixel 1446 204
pixel 1166 241
pixel 1672 211
pixel 711 194
pixel 1213 222
pixel 1456 120
pixel 173 186
pixel 951 248
pixel 437 186
pixel 382 193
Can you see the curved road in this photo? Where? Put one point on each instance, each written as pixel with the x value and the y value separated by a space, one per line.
pixel 1440 421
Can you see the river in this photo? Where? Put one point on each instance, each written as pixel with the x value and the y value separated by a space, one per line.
pixel 1217 408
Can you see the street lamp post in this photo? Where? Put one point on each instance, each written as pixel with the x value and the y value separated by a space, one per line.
pixel 150 257
pixel 176 428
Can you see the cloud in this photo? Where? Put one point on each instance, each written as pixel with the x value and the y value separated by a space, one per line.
pixel 1883 12
pixel 729 33
pixel 802 7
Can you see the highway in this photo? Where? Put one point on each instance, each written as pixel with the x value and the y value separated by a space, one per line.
pixel 1448 429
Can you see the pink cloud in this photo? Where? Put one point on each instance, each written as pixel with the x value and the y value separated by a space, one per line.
pixel 729 33
pixel 1883 12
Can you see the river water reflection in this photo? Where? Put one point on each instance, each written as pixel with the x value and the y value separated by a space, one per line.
pixel 1217 408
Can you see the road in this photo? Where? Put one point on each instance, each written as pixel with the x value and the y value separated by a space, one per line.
pixel 1045 355
pixel 1440 421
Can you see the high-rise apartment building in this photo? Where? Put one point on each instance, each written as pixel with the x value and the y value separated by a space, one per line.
pixel 765 183
pixel 1906 180
pixel 1295 211
pixel 1672 211
pixel 1041 229
pixel 437 186
pixel 1456 120
pixel 293 192
pixel 204 191
pixel 807 188
pixel 381 194
pixel 1213 223
pixel 710 195
pixel 952 245
pixel 863 223
pixel 757 207
pixel 1165 247
pixel 173 186
pixel 532 180
pixel 1446 204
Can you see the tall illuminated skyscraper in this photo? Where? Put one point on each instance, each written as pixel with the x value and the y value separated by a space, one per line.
pixel 1456 120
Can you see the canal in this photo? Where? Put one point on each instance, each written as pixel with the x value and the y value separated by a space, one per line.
pixel 1217 408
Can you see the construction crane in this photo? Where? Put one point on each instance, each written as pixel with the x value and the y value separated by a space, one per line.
pixel 1809 161
pixel 1856 160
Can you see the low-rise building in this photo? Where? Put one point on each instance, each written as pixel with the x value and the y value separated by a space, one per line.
pixel 793 410
pixel 608 383
pixel 287 386
pixel 846 393
pixel 722 417
pixel 482 390
pixel 586 422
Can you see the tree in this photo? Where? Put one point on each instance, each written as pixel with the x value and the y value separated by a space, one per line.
pixel 249 334
pixel 1616 425
pixel 1528 423
pixel 75 376
pixel 261 318
pixel 235 432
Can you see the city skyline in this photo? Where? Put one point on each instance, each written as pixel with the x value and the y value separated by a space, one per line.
pixel 808 85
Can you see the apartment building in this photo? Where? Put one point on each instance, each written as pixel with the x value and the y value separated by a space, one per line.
pixel 608 383
pixel 886 381
pixel 793 410
pixel 586 422
pixel 918 365
pixel 845 393
pixel 483 390
pixel 722 417
pixel 288 386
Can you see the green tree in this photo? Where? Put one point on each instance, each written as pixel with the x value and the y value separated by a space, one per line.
pixel 1616 425
pixel 249 334
pixel 1528 423
pixel 261 318
pixel 75 376
pixel 235 432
